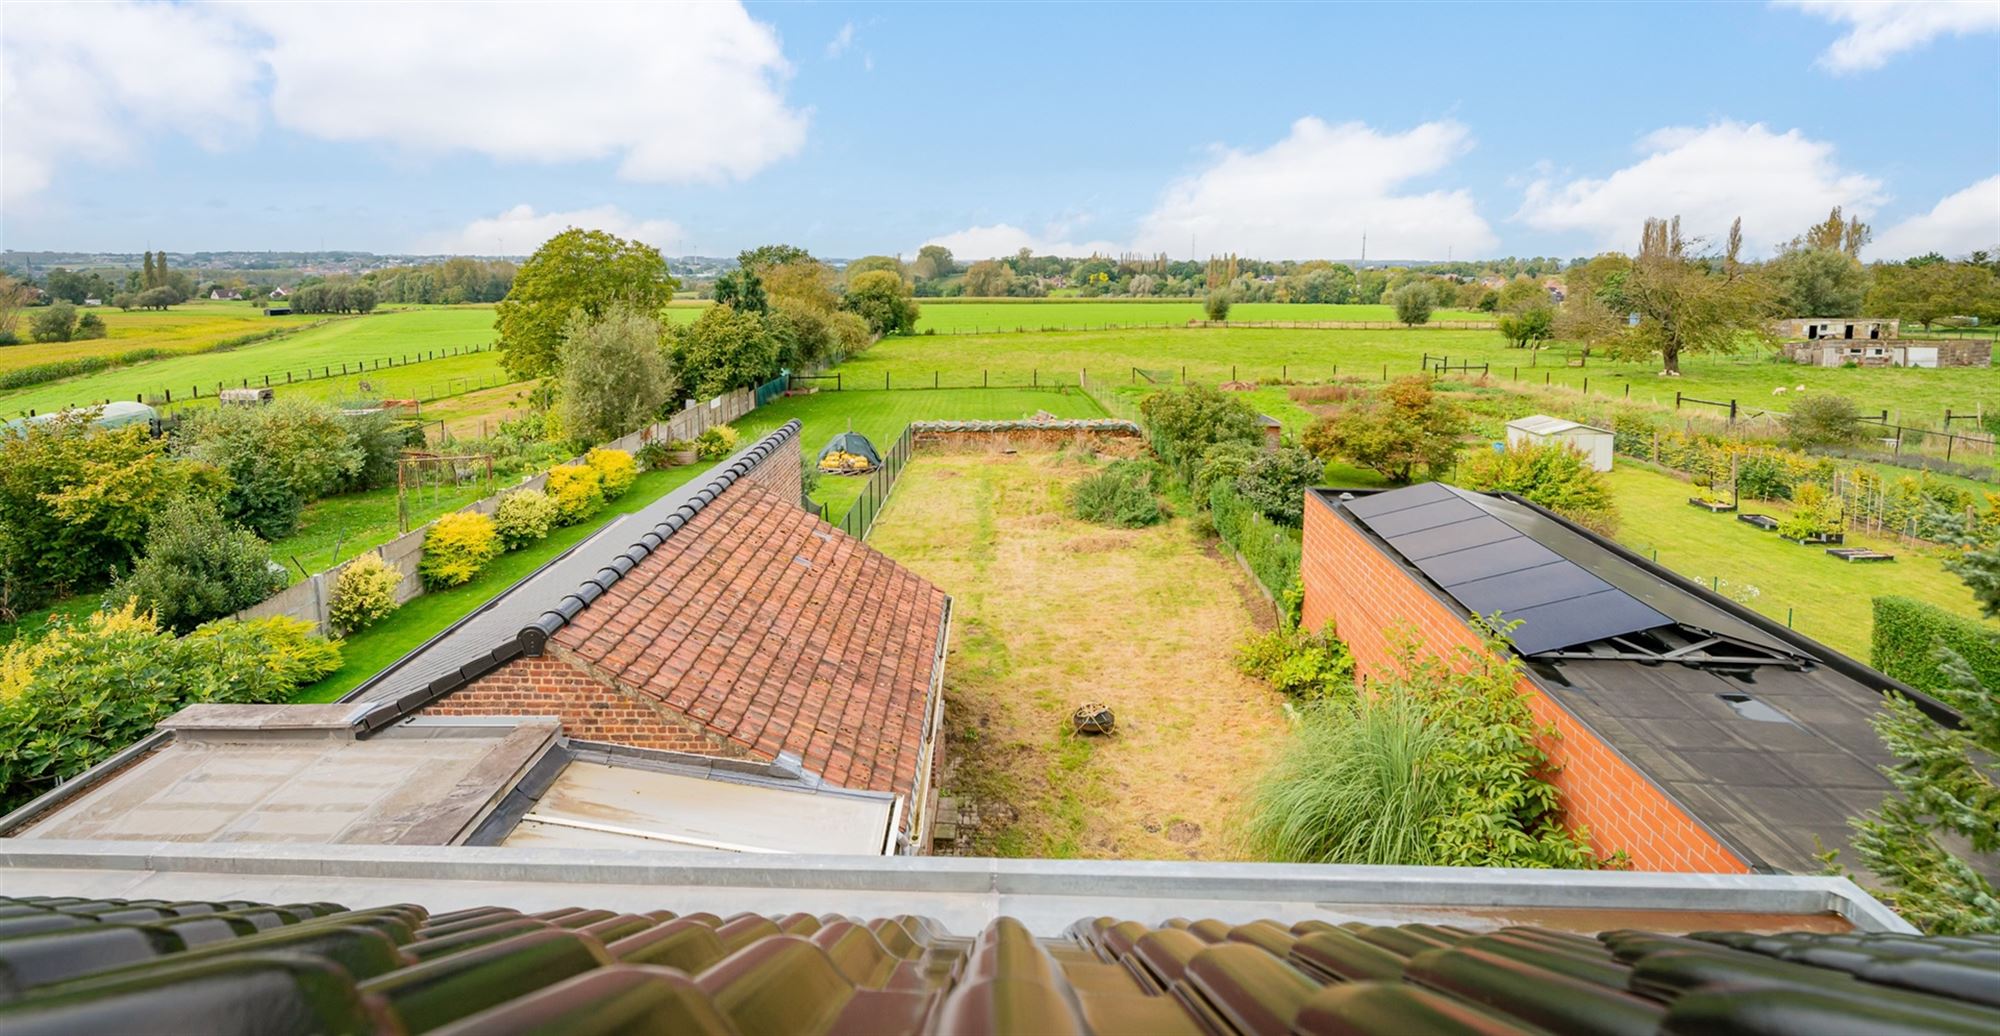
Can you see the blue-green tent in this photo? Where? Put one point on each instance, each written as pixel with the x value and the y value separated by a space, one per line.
pixel 851 442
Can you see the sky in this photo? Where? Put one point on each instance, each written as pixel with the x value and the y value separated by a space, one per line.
pixel 1277 131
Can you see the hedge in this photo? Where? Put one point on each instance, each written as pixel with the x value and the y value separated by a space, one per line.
pixel 1908 634
pixel 1271 550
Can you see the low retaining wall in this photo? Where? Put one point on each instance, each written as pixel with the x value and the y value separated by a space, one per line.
pixel 1104 435
pixel 311 598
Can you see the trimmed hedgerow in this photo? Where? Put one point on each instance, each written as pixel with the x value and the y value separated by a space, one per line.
pixel 1908 634
pixel 1271 550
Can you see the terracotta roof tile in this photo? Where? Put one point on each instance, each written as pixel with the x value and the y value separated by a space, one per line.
pixel 779 633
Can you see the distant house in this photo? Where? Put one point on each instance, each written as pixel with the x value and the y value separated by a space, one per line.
pixel 220 295
pixel 1814 328
pixel 1893 352
pixel 93 302
pixel 280 293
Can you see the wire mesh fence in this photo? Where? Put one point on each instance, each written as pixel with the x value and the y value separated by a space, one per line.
pixel 861 515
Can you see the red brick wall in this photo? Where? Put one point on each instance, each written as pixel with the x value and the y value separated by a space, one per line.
pixel 780 472
pixel 591 709
pixel 1369 597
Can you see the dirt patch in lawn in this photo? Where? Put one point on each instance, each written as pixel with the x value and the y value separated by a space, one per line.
pixel 1050 613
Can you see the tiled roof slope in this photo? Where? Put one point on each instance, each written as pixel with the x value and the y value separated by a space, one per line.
pixel 236 967
pixel 780 633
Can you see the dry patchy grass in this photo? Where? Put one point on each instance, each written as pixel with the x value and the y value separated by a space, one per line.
pixel 1051 613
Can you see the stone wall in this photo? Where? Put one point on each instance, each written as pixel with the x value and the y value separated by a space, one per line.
pixel 1122 438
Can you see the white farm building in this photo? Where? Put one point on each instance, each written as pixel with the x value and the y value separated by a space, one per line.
pixel 1541 429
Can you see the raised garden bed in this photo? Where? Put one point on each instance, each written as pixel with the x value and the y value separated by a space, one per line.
pixel 1853 554
pixel 1823 537
pixel 1761 521
pixel 1715 506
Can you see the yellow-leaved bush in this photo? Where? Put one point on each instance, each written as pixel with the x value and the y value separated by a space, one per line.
pixel 524 516
pixel 578 490
pixel 615 468
pixel 364 593
pixel 458 546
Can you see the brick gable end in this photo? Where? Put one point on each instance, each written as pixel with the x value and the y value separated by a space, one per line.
pixel 590 708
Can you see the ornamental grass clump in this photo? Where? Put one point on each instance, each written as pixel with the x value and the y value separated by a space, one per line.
pixel 1439 763
pixel 457 547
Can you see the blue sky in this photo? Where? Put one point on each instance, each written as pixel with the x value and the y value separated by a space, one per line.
pixel 1283 131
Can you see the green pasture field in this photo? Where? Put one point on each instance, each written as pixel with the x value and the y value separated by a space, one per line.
pixel 881 416
pixel 959 316
pixel 188 327
pixel 370 651
pixel 1824 598
pixel 1917 397
pixel 354 340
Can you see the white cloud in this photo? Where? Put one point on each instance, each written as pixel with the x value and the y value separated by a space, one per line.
pixel 1881 29
pixel 1004 239
pixel 519 230
pixel 841 40
pixel 1314 193
pixel 1960 223
pixel 675 92
pixel 672 93
pixel 90 82
pixel 1780 183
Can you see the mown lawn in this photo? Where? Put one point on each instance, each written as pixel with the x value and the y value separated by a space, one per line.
pixel 1218 354
pixel 1049 613
pixel 364 339
pixel 372 650
pixel 951 316
pixel 882 416
pixel 339 527
pixel 1825 598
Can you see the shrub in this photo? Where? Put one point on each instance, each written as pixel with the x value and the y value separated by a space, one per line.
pixel 88 688
pixel 614 373
pixel 197 567
pixel 1121 495
pixel 615 469
pixel 1301 663
pixel 1184 424
pixel 1276 483
pixel 286 650
pixel 716 443
pixel 578 491
pixel 1552 475
pixel 1909 634
pixel 1762 476
pixel 1413 304
pixel 1222 462
pixel 1271 550
pixel 652 456
pixel 456 548
pixel 88 326
pixel 524 516
pixel 1216 305
pixel 1357 783
pixel 55 323
pixel 277 457
pixel 1821 419
pixel 1406 426
pixel 364 594
pixel 1815 512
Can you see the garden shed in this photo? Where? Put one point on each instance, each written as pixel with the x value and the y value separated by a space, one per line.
pixel 1541 429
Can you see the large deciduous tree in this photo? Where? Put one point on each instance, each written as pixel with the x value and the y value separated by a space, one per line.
pixel 1925 291
pixel 883 300
pixel 614 374
pixel 988 278
pixel 587 270
pixel 1818 282
pixel 933 262
pixel 1671 301
pixel 723 350
pixel 742 290
pixel 763 257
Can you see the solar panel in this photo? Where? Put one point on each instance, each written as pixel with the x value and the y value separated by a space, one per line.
pixel 1488 565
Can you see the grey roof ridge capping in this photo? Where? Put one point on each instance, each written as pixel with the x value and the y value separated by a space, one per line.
pixel 533 638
